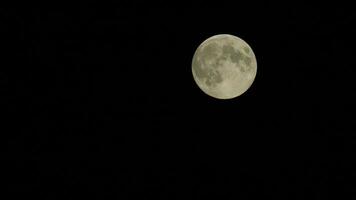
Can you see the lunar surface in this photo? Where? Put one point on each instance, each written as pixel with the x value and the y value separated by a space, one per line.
pixel 224 66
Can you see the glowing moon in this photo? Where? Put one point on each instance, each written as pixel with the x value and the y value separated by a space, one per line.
pixel 224 66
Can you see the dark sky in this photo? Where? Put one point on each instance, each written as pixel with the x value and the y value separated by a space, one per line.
pixel 100 102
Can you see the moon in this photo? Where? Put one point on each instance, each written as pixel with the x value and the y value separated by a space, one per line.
pixel 224 66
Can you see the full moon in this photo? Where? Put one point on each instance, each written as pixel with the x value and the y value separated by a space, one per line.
pixel 224 66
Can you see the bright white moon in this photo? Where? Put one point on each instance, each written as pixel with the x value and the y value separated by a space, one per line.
pixel 224 66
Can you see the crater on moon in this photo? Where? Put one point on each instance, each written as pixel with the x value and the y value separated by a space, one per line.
pixel 224 66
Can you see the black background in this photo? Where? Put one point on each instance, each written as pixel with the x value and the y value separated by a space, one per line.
pixel 99 102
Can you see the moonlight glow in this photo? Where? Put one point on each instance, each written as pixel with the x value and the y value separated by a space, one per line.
pixel 224 66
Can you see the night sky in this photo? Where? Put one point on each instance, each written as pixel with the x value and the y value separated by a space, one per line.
pixel 99 102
